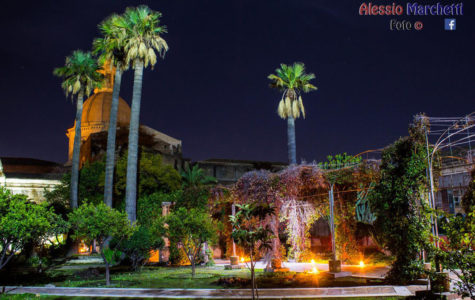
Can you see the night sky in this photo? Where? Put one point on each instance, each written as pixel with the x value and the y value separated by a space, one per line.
pixel 211 90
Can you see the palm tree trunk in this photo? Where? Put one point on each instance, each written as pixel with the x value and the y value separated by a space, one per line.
pixel 111 134
pixel 132 158
pixel 73 201
pixel 291 140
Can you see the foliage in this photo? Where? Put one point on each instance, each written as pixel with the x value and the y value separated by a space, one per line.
pixel 190 229
pixel 292 80
pixel 343 172
pixel 149 207
pixel 150 232
pixel 79 74
pixel 195 189
pixel 249 233
pixel 296 204
pixel 468 199
pixel 91 187
pixel 299 216
pixel 154 175
pixel 21 222
pixel 340 168
pixel 196 177
pixel 399 203
pixel 91 182
pixel 110 46
pixel 100 222
pixel 458 254
pixel 362 206
pixel 141 35
pixel 221 202
pixel 262 187
pixel 97 222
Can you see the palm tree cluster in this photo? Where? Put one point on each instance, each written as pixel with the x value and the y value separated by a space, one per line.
pixel 134 40
pixel 131 40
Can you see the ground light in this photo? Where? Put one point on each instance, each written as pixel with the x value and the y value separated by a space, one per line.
pixel 314 268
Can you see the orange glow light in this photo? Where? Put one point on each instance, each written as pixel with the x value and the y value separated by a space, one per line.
pixel 242 259
pixel 314 270
pixel 361 264
pixel 312 261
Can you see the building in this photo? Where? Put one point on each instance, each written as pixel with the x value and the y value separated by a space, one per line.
pixel 453 181
pixel 32 176
pixel 228 171
pixel 29 176
pixel 95 124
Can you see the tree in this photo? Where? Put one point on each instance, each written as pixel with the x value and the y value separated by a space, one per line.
pixel 468 199
pixel 138 246
pixel 196 177
pixel 399 201
pixel 110 48
pixel 458 254
pixel 195 188
pixel 154 175
pixel 151 230
pixel 80 77
pixel 292 81
pixel 21 222
pixel 90 188
pixel 142 37
pixel 250 234
pixel 191 229
pixel 98 222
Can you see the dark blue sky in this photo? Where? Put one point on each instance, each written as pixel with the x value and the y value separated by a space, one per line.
pixel 211 91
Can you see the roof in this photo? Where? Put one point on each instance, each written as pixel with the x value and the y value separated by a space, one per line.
pixel 97 108
pixel 238 161
pixel 23 167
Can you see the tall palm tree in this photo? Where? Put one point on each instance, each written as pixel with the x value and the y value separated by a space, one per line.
pixel 110 49
pixel 142 38
pixel 292 81
pixel 80 77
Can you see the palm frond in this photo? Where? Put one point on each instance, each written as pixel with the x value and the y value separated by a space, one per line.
pixel 292 80
pixel 79 73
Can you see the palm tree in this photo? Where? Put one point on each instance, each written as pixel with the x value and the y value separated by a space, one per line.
pixel 80 77
pixel 142 30
pixel 291 80
pixel 194 177
pixel 110 48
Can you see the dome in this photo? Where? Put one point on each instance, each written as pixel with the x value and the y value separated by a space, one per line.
pixel 97 108
pixel 96 116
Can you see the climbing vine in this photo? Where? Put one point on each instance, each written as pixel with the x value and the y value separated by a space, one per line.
pixel 399 201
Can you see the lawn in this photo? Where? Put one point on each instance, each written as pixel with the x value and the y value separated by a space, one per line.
pixel 159 277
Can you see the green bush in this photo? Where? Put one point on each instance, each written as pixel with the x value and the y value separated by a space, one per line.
pixel 21 223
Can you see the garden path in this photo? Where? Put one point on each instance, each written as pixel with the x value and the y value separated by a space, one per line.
pixel 369 291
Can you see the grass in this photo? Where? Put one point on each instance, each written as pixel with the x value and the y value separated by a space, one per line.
pixel 214 277
pixel 159 277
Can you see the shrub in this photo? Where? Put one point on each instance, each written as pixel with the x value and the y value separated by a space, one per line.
pixel 191 229
pixel 100 222
pixel 21 222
